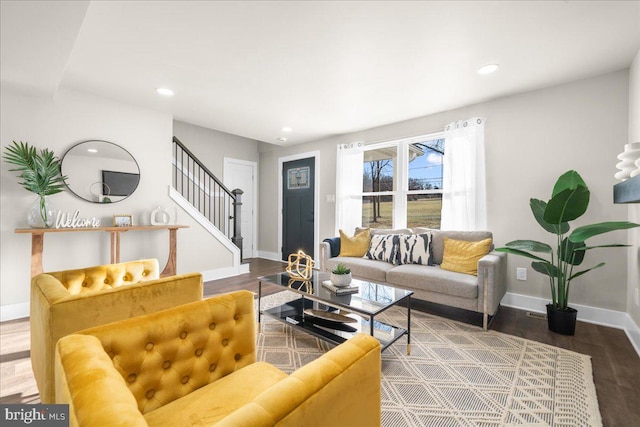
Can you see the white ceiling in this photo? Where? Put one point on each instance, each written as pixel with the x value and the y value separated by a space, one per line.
pixel 322 68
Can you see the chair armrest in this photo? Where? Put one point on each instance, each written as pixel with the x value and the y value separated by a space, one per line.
pixel 85 377
pixel 321 393
pixel 493 267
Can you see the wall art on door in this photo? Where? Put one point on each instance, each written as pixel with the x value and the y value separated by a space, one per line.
pixel 298 178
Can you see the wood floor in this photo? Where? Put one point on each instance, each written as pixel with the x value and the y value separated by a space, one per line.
pixel 616 365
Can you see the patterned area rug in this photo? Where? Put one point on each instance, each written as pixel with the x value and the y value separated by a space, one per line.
pixel 457 374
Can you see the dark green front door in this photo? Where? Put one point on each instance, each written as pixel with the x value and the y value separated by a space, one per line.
pixel 297 206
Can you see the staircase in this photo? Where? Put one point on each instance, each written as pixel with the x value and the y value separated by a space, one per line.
pixel 206 199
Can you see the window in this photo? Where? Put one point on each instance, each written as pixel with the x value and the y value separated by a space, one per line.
pixel 424 186
pixel 402 183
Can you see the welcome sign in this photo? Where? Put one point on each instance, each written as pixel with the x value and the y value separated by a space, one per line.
pixel 65 220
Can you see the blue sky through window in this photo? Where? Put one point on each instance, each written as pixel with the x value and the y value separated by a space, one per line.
pixel 427 170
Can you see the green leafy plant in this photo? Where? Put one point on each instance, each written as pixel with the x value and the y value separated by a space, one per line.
pixel 569 201
pixel 38 170
pixel 341 269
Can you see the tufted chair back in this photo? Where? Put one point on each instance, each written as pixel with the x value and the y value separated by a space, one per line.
pixel 64 302
pixel 168 354
pixel 109 276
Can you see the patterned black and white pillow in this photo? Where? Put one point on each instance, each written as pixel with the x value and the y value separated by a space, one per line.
pixel 384 248
pixel 416 249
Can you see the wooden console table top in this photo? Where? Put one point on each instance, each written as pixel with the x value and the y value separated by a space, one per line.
pixel 37 243
pixel 112 228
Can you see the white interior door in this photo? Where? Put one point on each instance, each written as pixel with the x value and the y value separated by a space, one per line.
pixel 241 174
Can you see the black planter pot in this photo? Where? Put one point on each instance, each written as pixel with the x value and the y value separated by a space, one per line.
pixel 562 321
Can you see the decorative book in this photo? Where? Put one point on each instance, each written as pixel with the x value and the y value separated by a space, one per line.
pixel 351 289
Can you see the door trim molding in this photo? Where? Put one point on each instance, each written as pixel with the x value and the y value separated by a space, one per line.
pixel 316 198
pixel 254 165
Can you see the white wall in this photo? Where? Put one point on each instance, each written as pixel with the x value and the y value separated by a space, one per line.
pixel 633 288
pixel 212 146
pixel 531 139
pixel 58 124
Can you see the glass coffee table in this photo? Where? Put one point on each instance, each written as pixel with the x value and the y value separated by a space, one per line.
pixel 337 317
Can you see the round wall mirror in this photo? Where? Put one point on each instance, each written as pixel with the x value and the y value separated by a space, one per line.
pixel 100 171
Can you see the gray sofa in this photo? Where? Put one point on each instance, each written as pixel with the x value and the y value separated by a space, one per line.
pixel 481 293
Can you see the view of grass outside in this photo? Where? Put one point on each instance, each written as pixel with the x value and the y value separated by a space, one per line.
pixel 421 212
pixel 424 212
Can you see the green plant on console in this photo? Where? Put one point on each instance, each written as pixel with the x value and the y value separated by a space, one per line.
pixel 341 269
pixel 39 171
pixel 569 201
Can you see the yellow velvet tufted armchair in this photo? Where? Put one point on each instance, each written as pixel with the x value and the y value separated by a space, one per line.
pixel 68 301
pixel 195 365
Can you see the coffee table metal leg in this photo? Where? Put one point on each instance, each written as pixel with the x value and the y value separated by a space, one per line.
pixel 371 325
pixel 409 326
pixel 259 312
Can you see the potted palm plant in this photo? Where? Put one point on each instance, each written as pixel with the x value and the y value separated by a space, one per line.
pixel 569 201
pixel 40 174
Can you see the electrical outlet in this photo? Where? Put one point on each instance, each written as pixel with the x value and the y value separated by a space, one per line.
pixel 521 273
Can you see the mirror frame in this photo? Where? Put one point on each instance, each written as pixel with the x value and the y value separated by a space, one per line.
pixel 97 201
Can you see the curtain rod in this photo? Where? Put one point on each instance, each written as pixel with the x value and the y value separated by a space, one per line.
pixel 392 140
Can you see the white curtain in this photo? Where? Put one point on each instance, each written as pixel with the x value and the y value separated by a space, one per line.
pixel 464 205
pixel 349 160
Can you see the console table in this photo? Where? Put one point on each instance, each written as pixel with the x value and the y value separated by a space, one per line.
pixel 37 243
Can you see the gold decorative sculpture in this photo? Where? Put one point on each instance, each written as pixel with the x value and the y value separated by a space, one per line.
pixel 300 266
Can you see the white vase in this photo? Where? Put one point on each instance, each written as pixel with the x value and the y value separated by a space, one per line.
pixel 341 280
pixel 627 168
pixel 41 214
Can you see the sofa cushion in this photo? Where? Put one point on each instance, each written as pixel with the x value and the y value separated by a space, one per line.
pixel 211 403
pixel 434 279
pixel 462 257
pixel 355 246
pixel 363 268
pixel 384 248
pixel 437 239
pixel 415 249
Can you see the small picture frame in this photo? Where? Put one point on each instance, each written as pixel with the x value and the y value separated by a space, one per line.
pixel 122 221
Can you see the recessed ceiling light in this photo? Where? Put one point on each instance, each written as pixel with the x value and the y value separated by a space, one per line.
pixel 92 150
pixel 164 91
pixel 282 139
pixel 286 129
pixel 488 69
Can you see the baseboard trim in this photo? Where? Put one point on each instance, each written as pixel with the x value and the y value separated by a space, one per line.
pixel 14 311
pixel 222 273
pixel 596 315
pixel 272 256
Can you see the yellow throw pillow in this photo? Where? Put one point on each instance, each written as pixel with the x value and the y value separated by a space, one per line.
pixel 355 246
pixel 462 256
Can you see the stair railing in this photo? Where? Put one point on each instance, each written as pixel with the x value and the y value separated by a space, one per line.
pixel 200 187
